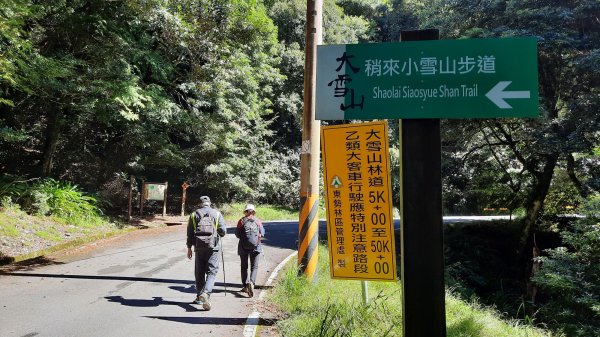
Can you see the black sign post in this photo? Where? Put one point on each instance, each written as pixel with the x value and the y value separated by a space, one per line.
pixel 422 236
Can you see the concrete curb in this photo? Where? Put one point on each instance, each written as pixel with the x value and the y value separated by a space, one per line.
pixel 252 320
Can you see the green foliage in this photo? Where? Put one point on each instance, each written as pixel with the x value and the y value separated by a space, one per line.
pixel 14 46
pixel 481 264
pixel 12 187
pixel 335 308
pixel 570 277
pixel 395 17
pixel 474 319
pixel 513 162
pixel 169 90
pixel 280 181
pixel 233 212
pixel 179 88
pixel 340 28
pixel 62 200
pixel 542 164
pixel 563 197
pixel 7 224
pixel 10 135
pixel 52 234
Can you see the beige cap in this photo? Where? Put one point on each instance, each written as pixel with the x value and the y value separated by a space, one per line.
pixel 249 207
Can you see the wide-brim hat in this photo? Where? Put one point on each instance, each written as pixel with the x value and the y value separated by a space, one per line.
pixel 249 207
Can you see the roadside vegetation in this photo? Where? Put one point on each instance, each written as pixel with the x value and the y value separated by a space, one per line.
pixel 234 211
pixel 43 215
pixel 335 308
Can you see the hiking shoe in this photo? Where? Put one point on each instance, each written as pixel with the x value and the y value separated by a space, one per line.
pixel 250 286
pixel 197 300
pixel 244 289
pixel 205 301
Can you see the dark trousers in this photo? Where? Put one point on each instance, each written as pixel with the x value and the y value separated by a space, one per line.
pixel 253 256
pixel 206 269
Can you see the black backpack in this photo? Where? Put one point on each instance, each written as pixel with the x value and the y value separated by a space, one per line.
pixel 204 229
pixel 249 234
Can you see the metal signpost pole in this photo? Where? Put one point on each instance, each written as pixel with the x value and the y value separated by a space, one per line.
pixel 421 215
pixel 365 291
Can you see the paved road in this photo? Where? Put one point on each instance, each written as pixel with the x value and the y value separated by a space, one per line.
pixel 140 285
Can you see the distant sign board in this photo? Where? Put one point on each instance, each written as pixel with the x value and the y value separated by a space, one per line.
pixel 359 201
pixel 470 78
pixel 154 191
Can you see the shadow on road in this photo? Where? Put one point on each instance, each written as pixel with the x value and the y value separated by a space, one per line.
pixel 211 320
pixel 28 264
pixel 101 277
pixel 154 302
pixel 188 307
pixel 231 287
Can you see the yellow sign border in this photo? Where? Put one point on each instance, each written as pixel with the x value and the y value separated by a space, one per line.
pixel 330 160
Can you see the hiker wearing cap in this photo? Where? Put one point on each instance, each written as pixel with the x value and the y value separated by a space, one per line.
pixel 205 226
pixel 250 231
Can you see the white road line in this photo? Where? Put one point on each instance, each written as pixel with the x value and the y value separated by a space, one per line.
pixel 253 318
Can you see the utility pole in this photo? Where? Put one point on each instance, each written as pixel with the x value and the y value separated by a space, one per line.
pixel 308 233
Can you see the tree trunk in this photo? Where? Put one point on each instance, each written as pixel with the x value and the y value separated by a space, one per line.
pixel 535 200
pixel 576 182
pixel 534 204
pixel 535 269
pixel 51 142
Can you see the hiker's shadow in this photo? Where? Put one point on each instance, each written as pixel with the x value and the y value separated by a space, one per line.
pixel 188 290
pixel 154 302
pixel 192 289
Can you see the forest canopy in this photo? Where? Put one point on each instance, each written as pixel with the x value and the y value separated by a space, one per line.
pixel 210 92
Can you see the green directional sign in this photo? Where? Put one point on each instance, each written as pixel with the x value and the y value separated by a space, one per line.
pixel 470 78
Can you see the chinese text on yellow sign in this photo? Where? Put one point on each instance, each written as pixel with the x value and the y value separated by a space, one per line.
pixel 359 206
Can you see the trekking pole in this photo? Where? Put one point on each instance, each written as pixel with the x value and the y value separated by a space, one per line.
pixel 223 259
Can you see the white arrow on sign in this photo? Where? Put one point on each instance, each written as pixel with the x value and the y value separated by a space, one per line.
pixel 497 95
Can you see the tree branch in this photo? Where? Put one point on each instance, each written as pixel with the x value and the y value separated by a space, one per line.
pixel 511 143
pixel 571 172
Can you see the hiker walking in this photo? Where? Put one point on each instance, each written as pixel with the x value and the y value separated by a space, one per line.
pixel 205 226
pixel 250 231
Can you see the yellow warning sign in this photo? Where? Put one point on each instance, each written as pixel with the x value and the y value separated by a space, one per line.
pixel 359 201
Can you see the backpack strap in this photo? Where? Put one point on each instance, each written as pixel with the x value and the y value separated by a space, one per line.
pixel 193 219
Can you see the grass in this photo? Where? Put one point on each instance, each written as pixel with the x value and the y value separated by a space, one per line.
pixel 233 212
pixel 50 234
pixel 335 308
pixel 8 226
pixel 70 244
pixel 17 225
